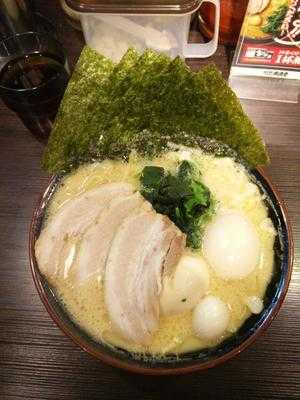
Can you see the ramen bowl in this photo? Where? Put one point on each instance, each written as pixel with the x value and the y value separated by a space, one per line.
pixel 202 359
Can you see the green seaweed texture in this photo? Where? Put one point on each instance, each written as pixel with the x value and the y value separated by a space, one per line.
pixel 144 102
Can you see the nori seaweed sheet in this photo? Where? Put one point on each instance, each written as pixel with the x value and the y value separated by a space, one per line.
pixel 143 103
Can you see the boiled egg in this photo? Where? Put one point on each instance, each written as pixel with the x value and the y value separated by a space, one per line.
pixel 231 246
pixel 210 318
pixel 189 283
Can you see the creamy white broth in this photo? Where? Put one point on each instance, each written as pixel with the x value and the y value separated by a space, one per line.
pixel 233 190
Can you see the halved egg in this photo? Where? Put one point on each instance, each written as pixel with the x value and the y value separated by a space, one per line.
pixel 186 287
pixel 231 246
pixel 210 318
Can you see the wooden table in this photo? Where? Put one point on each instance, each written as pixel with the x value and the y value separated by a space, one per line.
pixel 38 362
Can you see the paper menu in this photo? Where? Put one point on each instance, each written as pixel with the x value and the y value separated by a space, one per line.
pixel 266 64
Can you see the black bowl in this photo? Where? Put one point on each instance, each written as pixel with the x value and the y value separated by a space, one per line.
pixel 197 360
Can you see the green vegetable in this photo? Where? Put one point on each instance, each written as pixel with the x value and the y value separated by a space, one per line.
pixel 275 20
pixel 182 197
pixel 143 103
pixel 152 177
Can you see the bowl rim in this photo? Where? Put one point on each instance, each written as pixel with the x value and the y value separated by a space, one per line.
pixel 112 361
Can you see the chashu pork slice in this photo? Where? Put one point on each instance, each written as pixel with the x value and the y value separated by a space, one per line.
pixel 55 246
pixel 96 241
pixel 161 254
pixel 143 245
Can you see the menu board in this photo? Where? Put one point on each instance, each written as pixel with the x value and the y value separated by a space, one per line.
pixel 269 49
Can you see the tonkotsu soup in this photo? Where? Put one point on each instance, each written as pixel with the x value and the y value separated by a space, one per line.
pixel 160 256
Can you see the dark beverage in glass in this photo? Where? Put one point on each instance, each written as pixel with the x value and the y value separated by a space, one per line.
pixel 33 78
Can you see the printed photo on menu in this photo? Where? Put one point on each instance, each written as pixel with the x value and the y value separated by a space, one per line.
pixel 269 43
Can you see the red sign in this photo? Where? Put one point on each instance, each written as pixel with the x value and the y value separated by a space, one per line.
pixel 273 55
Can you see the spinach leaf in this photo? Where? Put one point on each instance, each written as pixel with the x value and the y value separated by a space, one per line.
pixel 182 197
pixel 185 170
pixel 152 176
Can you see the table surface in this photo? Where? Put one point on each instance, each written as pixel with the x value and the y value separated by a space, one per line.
pixel 38 362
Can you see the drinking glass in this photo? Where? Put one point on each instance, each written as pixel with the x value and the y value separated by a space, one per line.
pixel 33 77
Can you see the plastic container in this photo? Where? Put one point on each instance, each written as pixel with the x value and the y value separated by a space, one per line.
pixel 111 27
